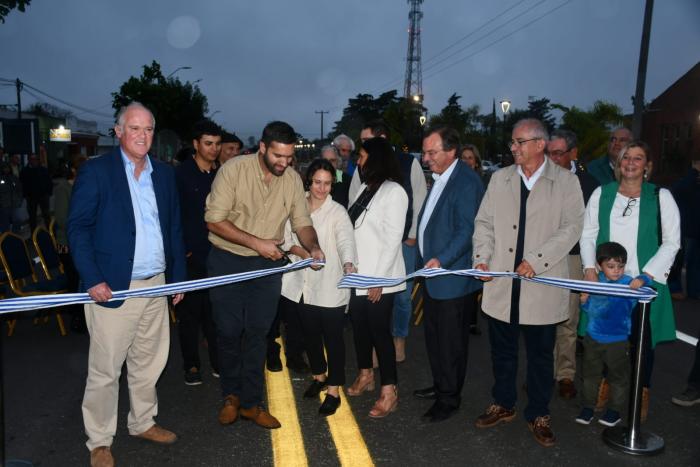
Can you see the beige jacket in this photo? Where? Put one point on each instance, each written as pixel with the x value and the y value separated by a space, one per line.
pixel 554 222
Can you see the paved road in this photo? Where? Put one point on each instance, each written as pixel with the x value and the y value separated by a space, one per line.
pixel 45 375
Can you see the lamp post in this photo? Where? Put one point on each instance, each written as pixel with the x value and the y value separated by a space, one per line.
pixel 178 69
pixel 505 107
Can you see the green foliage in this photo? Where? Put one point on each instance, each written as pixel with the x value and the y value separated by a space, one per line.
pixel 6 6
pixel 592 127
pixel 401 115
pixel 176 106
pixel 464 121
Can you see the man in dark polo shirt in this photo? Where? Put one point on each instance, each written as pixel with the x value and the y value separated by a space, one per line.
pixel 194 178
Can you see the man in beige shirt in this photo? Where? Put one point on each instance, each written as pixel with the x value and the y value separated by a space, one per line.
pixel 250 201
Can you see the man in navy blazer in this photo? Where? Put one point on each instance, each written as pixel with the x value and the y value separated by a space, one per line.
pixel 445 228
pixel 124 232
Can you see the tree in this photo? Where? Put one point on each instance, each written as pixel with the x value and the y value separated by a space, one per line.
pixel 465 122
pixel 361 109
pixel 175 105
pixel 592 127
pixel 6 6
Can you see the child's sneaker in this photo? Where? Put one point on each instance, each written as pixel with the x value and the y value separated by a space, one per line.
pixel 585 417
pixel 610 418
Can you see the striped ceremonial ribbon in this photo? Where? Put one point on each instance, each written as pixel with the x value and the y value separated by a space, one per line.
pixel 643 294
pixel 35 302
pixel 48 301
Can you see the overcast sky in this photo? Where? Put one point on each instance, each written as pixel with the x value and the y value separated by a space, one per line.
pixel 278 59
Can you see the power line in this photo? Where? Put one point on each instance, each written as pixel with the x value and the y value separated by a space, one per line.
pixel 66 102
pixel 398 80
pixel 477 40
pixel 547 13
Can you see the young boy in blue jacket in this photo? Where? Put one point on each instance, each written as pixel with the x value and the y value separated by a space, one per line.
pixel 606 340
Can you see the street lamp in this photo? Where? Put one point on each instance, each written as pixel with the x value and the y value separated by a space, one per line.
pixel 505 107
pixel 178 69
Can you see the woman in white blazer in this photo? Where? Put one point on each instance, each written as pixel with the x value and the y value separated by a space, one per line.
pixel 378 214
pixel 322 303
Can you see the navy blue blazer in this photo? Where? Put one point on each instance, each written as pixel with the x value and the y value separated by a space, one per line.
pixel 101 227
pixel 448 234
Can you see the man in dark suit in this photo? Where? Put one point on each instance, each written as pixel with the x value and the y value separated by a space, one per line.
pixel 562 149
pixel 445 227
pixel 124 232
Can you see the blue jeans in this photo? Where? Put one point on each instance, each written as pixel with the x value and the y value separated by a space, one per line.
pixel 402 302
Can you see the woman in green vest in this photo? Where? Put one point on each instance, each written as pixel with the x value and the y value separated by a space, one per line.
pixel 645 220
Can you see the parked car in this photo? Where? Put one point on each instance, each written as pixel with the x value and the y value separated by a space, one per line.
pixel 490 167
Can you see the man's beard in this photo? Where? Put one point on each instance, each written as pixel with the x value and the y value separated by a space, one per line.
pixel 271 167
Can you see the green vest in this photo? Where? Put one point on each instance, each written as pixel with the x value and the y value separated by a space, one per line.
pixel 661 318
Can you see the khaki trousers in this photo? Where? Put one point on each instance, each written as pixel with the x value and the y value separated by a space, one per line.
pixel 565 347
pixel 138 332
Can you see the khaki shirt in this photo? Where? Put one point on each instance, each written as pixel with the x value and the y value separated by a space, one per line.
pixel 240 195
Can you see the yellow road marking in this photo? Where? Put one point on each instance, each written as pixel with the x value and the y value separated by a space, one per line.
pixel 349 443
pixel 287 442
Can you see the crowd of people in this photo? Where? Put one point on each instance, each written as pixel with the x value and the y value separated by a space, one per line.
pixel 134 221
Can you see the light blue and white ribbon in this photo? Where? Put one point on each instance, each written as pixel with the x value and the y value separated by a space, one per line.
pixel 643 294
pixel 49 301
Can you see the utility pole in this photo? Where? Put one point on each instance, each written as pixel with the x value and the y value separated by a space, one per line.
pixel 321 112
pixel 642 71
pixel 18 84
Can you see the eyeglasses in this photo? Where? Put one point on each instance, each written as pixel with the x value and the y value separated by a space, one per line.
pixel 558 153
pixel 520 142
pixel 628 209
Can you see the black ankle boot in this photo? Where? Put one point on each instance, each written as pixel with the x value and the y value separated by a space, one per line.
pixel 330 405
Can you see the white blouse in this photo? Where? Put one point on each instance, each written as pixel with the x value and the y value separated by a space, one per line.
pixel 337 240
pixel 624 229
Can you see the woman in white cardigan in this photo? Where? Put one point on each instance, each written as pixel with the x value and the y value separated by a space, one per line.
pixel 378 214
pixel 322 303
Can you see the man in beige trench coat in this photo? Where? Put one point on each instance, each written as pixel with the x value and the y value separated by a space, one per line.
pixel 531 216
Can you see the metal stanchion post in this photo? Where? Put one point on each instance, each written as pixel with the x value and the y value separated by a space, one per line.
pixel 631 439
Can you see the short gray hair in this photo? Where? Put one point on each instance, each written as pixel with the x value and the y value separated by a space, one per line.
pixel 344 138
pixel 535 126
pixel 130 106
pixel 568 136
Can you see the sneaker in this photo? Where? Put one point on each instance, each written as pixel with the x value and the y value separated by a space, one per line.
pixel 192 377
pixel 610 418
pixel 215 374
pixel 585 417
pixel 688 398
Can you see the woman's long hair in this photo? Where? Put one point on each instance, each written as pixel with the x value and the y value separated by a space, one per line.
pixel 381 165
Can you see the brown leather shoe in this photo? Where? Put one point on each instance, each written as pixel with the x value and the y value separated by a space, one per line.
pixel 567 389
pixel 260 416
pixel 494 415
pixel 542 430
pixel 101 457
pixel 158 435
pixel 229 412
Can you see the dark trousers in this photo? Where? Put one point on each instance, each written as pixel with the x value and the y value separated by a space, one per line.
pixel 447 341
pixel 194 313
pixel 694 376
pixel 472 307
pixel 287 314
pixel 371 328
pixel 539 345
pixel 324 327
pixel 32 204
pixel 614 356
pixel 243 313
